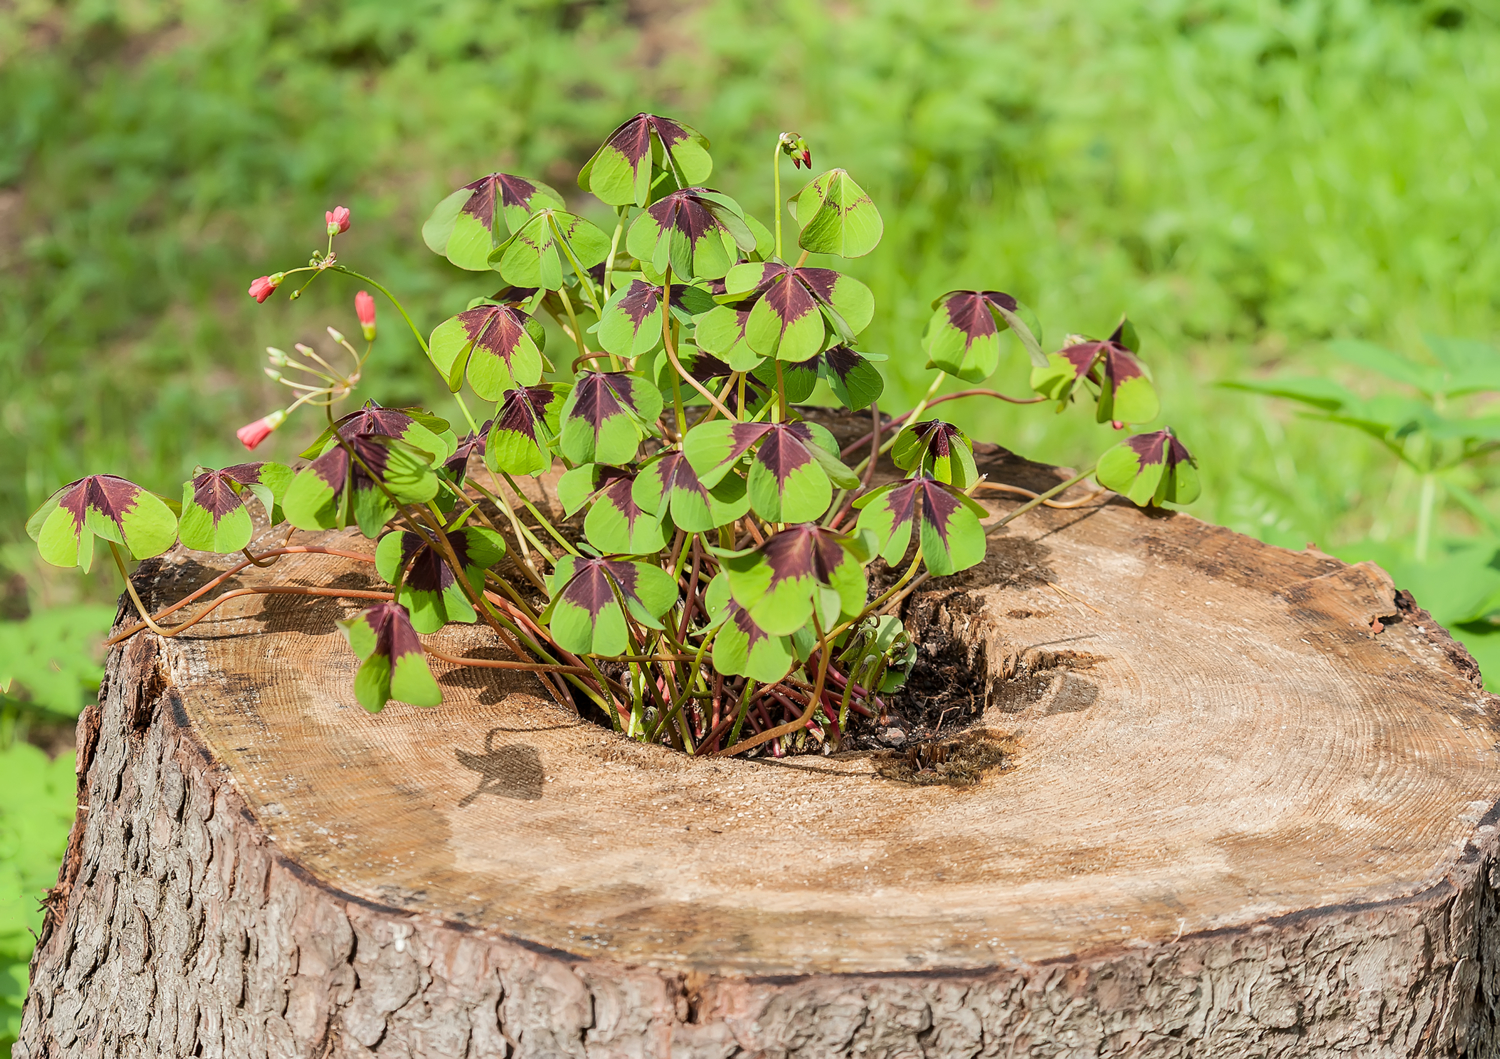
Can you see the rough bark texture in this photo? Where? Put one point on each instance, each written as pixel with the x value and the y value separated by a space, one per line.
pixel 1254 814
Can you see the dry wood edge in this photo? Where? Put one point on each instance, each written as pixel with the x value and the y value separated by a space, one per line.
pixel 180 926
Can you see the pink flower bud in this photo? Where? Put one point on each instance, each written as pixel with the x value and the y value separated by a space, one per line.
pixel 261 288
pixel 1117 424
pixel 338 220
pixel 364 306
pixel 252 434
pixel 807 157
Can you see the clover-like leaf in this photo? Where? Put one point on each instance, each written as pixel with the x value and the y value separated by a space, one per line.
pixel 393 663
pixel 668 487
pixel 852 376
pixel 694 231
pixel 215 517
pixel 474 443
pixel 101 505
pixel 947 523
pixel 497 346
pixel 521 439
pixel 722 333
pixel 421 430
pixel 632 320
pixel 606 415
pixel 963 336
pixel 837 216
pixel 939 449
pixel 465 227
pixel 336 489
pixel 585 613
pixel 792 474
pixel 741 647
pixel 619 173
pixel 796 308
pixel 1152 468
pixel 533 255
pixel 802 567
pixel 616 523
pixel 1125 393
pixel 430 592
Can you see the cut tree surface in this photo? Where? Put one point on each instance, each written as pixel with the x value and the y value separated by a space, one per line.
pixel 1251 810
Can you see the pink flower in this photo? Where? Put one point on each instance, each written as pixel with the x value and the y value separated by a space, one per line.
pixel 338 220
pixel 261 288
pixel 364 306
pixel 252 434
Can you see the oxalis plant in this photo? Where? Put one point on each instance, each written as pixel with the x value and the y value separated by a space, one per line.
pixel 717 595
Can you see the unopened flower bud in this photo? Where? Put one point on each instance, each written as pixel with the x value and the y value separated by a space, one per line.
pixel 252 434
pixel 272 374
pixel 335 335
pixel 1117 424
pixel 260 289
pixel 364 307
pixel 306 351
pixel 338 220
pixel 276 356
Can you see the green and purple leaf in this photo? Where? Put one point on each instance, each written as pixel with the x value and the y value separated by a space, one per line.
pixel 939 449
pixel 632 322
pixel 335 490
pixel 606 415
pixel 802 567
pixel 615 523
pixel 430 592
pixel 585 614
pixel 101 505
pixel 852 376
pixel 792 474
pixel 464 227
pixel 796 309
pixel 1125 393
pixel 494 343
pixel 1151 468
pixel 945 520
pixel 619 173
pixel 531 257
pixel 695 232
pixel 741 647
pixel 393 663
pixel 521 439
pixel 963 336
pixel 215 517
pixel 668 487
pixel 471 444
pixel 837 217
pixel 721 332
pixel 421 430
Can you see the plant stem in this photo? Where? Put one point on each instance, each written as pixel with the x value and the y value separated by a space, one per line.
pixel 1425 508
pixel 666 341
pixel 614 246
pixel 584 283
pixel 1041 498
pixel 776 205
pixel 583 350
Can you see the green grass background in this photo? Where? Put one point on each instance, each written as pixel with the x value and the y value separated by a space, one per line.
pixel 1246 178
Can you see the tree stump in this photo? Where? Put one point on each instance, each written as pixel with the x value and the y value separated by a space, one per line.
pixel 1252 811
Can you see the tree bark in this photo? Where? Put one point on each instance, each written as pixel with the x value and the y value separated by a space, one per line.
pixel 1252 812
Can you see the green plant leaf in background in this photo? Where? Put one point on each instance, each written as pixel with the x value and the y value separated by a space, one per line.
pixel 939 449
pixel 497 346
pixel 36 811
pixel 430 592
pixel 53 655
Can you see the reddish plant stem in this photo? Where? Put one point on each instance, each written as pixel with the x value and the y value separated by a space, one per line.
pixel 270 590
pixel 864 484
pixel 130 631
pixel 898 420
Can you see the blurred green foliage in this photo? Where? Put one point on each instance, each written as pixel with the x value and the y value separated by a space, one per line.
pixel 1248 179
